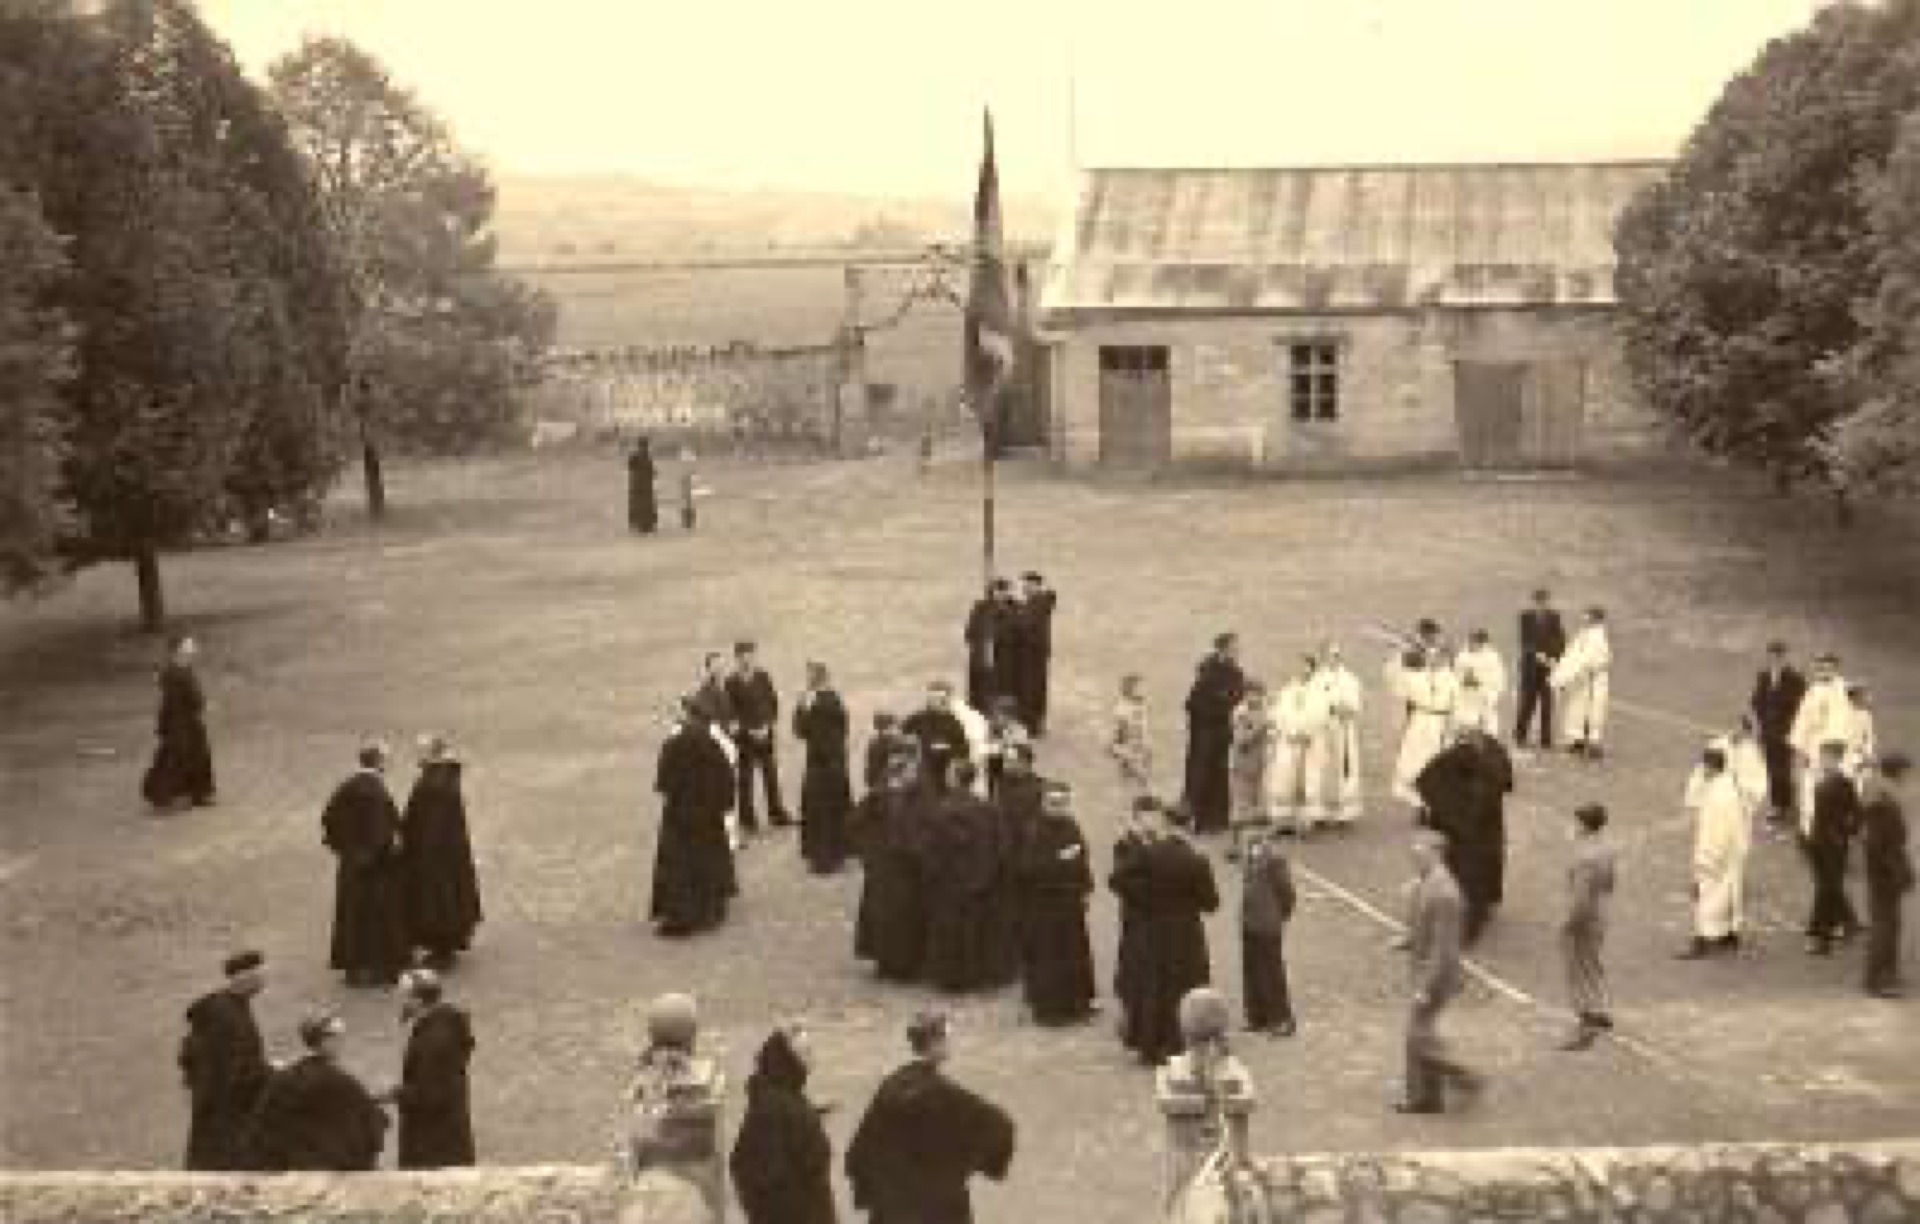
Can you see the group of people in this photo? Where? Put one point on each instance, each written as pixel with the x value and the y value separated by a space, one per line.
pixel 1009 638
pixel 311 1113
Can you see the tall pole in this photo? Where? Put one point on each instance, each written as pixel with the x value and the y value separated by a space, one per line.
pixel 989 438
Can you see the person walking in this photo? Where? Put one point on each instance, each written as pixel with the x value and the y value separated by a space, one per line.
pixel 182 768
pixel 782 1161
pixel 693 871
pixel 224 1064
pixel 1830 834
pixel 1433 946
pixel 432 1097
pixel 1889 871
pixel 1590 885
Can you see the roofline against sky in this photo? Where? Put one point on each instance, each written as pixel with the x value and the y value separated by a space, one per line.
pixel 1637 163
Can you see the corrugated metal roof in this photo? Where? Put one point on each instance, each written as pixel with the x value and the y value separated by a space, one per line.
pixel 1342 237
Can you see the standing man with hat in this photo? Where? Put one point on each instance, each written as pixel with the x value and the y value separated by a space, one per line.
pixel 225 1066
pixel 315 1116
pixel 436 1122
pixel 1889 871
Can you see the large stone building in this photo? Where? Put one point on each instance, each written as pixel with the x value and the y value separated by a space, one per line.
pixel 1335 318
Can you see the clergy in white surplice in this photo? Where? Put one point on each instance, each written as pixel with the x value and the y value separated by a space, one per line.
pixel 1826 715
pixel 1339 754
pixel 1582 677
pixel 1483 682
pixel 1722 837
pixel 1294 783
pixel 1423 681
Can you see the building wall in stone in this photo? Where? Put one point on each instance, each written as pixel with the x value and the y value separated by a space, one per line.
pixel 1230 386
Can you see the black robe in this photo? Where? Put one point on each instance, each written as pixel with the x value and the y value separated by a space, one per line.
pixel 1035 660
pixel 1130 946
pixel 225 1066
pixel 891 927
pixel 1018 805
pixel 1171 885
pixel 826 794
pixel 362 828
pixel 921 1139
pixel 316 1117
pixel 693 877
pixel 1218 686
pixel 1055 881
pixel 962 869
pixel 982 634
pixel 436 1121
pixel 643 506
pixel 442 888
pixel 1464 791
pixel 782 1162
pixel 1012 649
pixel 938 729
pixel 183 759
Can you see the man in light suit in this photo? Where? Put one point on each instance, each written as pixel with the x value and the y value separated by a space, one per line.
pixel 1436 917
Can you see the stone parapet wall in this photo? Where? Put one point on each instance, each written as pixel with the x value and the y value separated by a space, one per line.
pixel 1871 1183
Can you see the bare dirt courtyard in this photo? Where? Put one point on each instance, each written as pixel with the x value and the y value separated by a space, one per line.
pixel 505 603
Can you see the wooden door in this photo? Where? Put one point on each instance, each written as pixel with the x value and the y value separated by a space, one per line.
pixel 1554 413
pixel 1488 407
pixel 1136 407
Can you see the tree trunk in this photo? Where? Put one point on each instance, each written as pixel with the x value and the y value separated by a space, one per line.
pixel 376 483
pixel 1842 509
pixel 153 601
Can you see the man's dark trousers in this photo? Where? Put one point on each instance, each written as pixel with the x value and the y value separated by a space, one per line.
pixel 1535 693
pixel 1883 938
pixel 1833 914
pixel 757 755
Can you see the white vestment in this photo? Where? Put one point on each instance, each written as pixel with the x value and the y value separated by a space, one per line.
pixel 1862 747
pixel 1722 835
pixel 1826 715
pixel 1428 696
pixel 1339 754
pixel 1296 774
pixel 979 740
pixel 1582 678
pixel 1483 682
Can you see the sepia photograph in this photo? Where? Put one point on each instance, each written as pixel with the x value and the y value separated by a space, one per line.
pixel 1068 612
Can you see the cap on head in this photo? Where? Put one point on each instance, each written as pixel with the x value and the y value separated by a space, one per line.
pixel 373 753
pixel 1034 577
pixel 927 1030
pixel 1427 627
pixel 243 962
pixel 744 647
pixel 316 1028
pixel 1478 637
pixel 673 1020
pixel 1714 758
pixel 1225 641
pixel 1592 816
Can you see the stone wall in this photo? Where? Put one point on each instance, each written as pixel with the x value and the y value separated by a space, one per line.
pixel 1741 1184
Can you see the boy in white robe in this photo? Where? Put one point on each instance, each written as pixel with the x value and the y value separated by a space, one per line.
pixel 1825 715
pixel 1862 746
pixel 1722 836
pixel 1582 678
pixel 979 740
pixel 1483 682
pixel 1424 682
pixel 1295 779
pixel 1339 753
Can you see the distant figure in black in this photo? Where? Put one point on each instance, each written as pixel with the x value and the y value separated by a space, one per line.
pixel 315 1116
pixel 983 635
pixel 782 1163
pixel 1218 686
pixel 1777 692
pixel 1166 888
pixel 182 766
pixel 643 506
pixel 756 716
pixel 890 928
pixel 1055 880
pixel 442 887
pixel 432 1097
pixel 826 793
pixel 1037 604
pixel 361 826
pixel 225 1066
pixel 1543 639
pixel 693 875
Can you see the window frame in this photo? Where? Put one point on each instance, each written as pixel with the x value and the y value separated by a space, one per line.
pixel 1312 380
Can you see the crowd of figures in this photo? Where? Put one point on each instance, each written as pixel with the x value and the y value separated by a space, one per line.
pixel 976 874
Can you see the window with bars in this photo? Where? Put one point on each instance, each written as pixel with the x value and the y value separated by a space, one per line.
pixel 1313 380
pixel 1137 359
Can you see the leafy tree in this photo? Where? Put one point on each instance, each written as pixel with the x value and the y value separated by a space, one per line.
pixel 35 359
pixel 1739 273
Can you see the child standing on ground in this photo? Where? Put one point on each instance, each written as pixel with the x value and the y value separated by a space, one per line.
pixel 1267 900
pixel 1128 746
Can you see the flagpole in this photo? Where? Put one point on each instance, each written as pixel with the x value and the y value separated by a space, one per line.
pixel 987 434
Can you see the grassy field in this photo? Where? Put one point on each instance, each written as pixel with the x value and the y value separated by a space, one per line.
pixel 505 604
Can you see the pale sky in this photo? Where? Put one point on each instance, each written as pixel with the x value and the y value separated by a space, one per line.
pixel 884 96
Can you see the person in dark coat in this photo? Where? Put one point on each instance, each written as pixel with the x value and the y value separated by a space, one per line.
pixel 182 767
pixel 756 714
pixel 432 1097
pixel 891 926
pixel 224 1064
pixel 693 875
pixel 982 634
pixel 1012 643
pixel 1543 639
pixel 436 858
pixel 714 695
pixel 1463 791
pixel 1218 686
pixel 1267 901
pixel 782 1161
pixel 1777 691
pixel 314 1115
pixel 1004 734
pixel 1018 802
pixel 826 794
pixel 882 745
pixel 1889 871
pixel 924 1137
pixel 1171 887
pixel 361 825
pixel 1055 880
pixel 1130 947
pixel 961 867
pixel 935 725
pixel 1830 834
pixel 643 506
pixel 1037 605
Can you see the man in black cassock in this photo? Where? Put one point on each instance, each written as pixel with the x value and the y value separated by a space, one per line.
pixel 643 506
pixel 1464 790
pixel 442 888
pixel 182 767
pixel 826 793
pixel 1055 881
pixel 982 636
pixel 1037 604
pixel 693 878
pixel 891 927
pixel 1129 948
pixel 923 1137
pixel 361 825
pixel 225 1066
pixel 962 869
pixel 1168 887
pixel 1017 801
pixel 432 1097
pixel 756 715
pixel 1218 686
pixel 314 1115
pixel 936 724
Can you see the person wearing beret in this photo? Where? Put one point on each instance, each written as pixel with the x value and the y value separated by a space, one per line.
pixel 224 1063
pixel 315 1116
